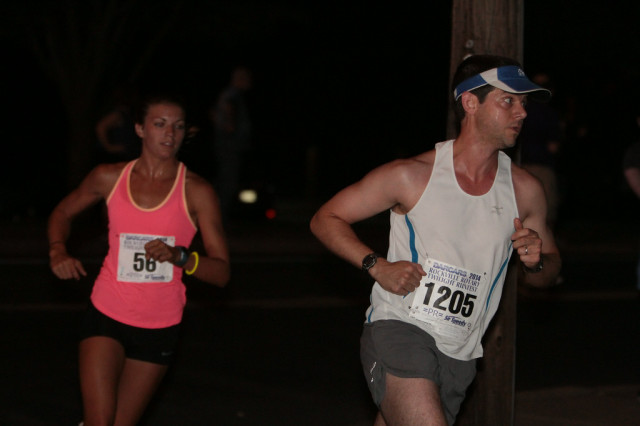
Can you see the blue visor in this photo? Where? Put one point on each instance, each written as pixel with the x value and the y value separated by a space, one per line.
pixel 509 78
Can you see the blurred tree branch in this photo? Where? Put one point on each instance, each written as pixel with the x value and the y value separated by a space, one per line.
pixel 88 49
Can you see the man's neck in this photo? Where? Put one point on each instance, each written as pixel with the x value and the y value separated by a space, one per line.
pixel 475 163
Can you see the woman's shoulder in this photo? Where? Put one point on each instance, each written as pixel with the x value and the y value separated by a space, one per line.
pixel 104 176
pixel 193 178
pixel 197 185
pixel 110 169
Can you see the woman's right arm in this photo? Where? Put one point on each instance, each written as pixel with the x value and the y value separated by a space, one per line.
pixel 95 187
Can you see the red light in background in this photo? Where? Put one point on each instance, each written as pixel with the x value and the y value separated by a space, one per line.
pixel 270 213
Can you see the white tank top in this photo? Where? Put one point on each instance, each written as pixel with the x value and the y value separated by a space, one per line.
pixel 464 244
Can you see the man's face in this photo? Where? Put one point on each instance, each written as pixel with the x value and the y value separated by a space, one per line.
pixel 500 117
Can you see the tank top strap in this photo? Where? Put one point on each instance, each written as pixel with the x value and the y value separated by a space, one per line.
pixel 122 179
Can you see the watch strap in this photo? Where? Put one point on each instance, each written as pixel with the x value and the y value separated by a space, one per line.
pixel 184 257
pixel 536 268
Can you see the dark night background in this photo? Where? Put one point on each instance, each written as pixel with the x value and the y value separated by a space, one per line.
pixel 349 84
pixel 339 88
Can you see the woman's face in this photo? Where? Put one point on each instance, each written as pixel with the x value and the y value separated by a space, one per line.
pixel 163 129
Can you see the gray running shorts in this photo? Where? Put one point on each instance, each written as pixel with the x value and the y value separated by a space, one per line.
pixel 404 350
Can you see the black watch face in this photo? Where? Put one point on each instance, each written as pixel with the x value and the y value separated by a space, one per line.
pixel 369 261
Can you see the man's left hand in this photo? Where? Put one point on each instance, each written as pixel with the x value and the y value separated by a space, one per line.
pixel 527 243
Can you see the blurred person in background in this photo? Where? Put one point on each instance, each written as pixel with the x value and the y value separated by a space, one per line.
pixel 631 168
pixel 232 136
pixel 540 140
pixel 115 130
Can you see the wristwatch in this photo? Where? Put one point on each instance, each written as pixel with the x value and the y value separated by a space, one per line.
pixel 369 260
pixel 536 268
pixel 184 257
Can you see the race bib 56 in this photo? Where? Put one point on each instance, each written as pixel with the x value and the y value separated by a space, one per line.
pixel 134 267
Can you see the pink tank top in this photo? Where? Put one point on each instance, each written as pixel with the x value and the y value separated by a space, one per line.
pixel 129 288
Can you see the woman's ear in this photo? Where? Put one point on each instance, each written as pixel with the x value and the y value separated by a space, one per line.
pixel 139 130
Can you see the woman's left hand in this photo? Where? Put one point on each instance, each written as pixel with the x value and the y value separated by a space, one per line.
pixel 161 252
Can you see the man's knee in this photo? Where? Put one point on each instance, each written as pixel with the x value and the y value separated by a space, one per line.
pixel 412 401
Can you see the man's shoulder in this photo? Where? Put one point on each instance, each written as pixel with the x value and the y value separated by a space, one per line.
pixel 520 174
pixel 525 185
pixel 426 159
pixel 412 167
pixel 406 175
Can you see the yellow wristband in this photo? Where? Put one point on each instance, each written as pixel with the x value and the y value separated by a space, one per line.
pixel 195 266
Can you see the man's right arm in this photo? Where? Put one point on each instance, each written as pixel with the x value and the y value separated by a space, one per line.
pixel 389 186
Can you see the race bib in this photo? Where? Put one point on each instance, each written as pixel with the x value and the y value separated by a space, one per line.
pixel 134 267
pixel 447 299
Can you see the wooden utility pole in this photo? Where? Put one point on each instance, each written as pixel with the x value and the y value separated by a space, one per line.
pixel 490 27
pixel 485 27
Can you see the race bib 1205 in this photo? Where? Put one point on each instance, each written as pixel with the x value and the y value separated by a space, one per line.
pixel 447 299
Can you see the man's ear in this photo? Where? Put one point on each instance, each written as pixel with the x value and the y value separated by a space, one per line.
pixel 470 102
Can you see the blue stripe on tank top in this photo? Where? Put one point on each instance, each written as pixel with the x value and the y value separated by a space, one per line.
pixel 412 240
pixel 502 268
pixel 414 253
